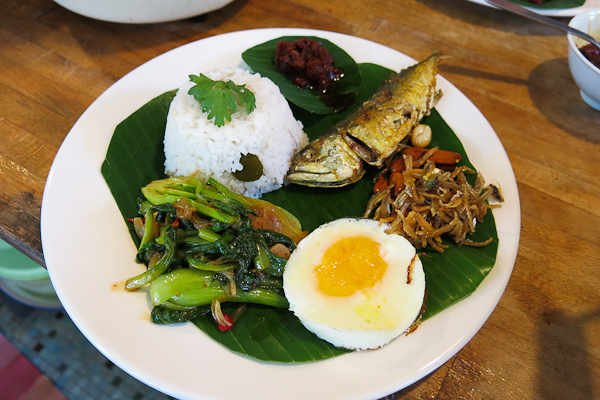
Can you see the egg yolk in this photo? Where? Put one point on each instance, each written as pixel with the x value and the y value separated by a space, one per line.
pixel 350 264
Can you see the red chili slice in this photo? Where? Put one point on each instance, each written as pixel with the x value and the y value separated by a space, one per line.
pixel 224 328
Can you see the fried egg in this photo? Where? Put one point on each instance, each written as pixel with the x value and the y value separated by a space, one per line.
pixel 354 285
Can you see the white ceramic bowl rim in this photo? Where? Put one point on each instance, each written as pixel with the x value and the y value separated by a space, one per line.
pixel 142 11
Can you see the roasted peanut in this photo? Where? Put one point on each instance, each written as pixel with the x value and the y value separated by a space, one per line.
pixel 396 179
pixel 398 165
pixel 381 184
pixel 438 157
pixel 421 136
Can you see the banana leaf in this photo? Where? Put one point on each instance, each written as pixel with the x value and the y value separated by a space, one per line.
pixel 341 95
pixel 553 4
pixel 135 157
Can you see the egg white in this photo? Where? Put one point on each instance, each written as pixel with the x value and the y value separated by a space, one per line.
pixel 371 317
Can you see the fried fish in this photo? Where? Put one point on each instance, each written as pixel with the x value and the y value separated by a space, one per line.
pixel 373 132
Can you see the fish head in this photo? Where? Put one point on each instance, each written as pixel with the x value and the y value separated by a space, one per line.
pixel 326 162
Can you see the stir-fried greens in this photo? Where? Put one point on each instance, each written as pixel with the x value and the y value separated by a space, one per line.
pixel 204 245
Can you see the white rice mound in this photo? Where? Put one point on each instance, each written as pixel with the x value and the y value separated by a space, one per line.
pixel 194 144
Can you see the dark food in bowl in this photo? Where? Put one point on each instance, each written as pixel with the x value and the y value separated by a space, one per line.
pixel 592 53
pixel 307 63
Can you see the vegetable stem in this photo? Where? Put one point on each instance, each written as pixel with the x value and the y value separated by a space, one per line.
pixel 148 229
pixel 225 191
pixel 214 266
pixel 261 260
pixel 213 212
pixel 209 235
pixel 161 266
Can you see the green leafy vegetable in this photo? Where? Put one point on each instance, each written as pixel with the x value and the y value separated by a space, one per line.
pixel 165 316
pixel 220 99
pixel 168 238
pixel 205 200
pixel 193 288
pixel 184 260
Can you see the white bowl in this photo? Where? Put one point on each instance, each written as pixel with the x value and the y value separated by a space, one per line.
pixel 585 74
pixel 142 11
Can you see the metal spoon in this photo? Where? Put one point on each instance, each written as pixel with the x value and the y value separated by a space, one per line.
pixel 507 5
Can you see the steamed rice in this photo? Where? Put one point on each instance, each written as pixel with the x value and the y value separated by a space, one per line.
pixel 194 144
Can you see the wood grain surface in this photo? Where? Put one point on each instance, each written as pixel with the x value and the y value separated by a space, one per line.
pixel 543 339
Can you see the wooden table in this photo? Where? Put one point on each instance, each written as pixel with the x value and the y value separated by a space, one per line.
pixel 543 339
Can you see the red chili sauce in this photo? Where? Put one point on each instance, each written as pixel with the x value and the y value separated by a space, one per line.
pixel 307 63
pixel 592 53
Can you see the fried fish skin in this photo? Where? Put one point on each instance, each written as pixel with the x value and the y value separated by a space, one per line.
pixel 374 131
pixel 326 162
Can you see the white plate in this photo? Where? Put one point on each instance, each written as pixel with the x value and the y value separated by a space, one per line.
pixel 88 249
pixel 556 12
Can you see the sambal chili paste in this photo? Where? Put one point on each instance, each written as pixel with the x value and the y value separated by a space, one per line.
pixel 307 63
pixel 592 53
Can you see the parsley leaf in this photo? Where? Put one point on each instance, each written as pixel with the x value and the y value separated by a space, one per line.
pixel 220 99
